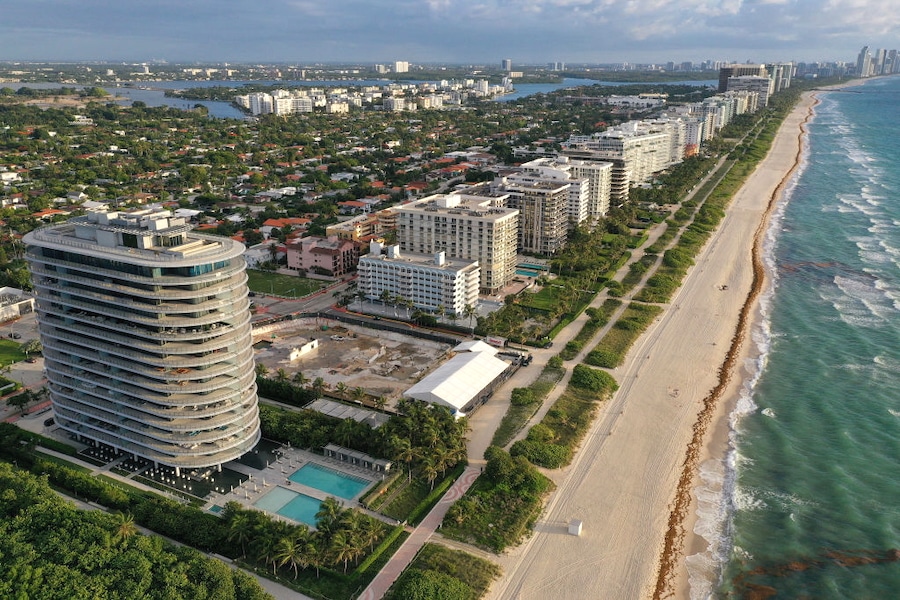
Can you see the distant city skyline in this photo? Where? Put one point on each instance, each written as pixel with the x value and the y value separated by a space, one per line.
pixel 462 31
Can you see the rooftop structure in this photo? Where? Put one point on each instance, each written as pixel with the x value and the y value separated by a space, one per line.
pixel 146 334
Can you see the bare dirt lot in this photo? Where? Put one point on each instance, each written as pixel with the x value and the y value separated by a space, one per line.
pixel 382 363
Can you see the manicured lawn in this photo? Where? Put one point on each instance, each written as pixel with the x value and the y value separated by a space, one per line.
pixel 264 282
pixel 9 352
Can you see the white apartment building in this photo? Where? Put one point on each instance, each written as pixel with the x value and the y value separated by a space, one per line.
pixel 470 227
pixel 394 104
pixel 542 205
pixel 146 334
pixel 429 282
pixel 763 86
pixel 642 153
pixel 580 189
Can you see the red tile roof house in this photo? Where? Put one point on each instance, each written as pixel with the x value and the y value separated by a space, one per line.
pixel 353 207
pixel 328 256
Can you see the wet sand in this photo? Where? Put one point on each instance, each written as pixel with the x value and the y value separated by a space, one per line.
pixel 631 482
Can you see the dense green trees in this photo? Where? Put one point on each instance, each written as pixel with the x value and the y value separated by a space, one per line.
pixel 52 550
pixel 342 536
pixel 420 436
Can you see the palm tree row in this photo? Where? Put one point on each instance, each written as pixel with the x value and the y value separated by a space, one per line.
pixel 425 436
pixel 341 535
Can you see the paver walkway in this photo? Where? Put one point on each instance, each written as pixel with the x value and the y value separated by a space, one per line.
pixel 401 559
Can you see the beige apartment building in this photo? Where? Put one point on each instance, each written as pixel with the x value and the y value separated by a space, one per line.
pixel 467 226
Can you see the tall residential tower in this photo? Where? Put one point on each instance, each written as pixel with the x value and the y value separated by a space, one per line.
pixel 146 334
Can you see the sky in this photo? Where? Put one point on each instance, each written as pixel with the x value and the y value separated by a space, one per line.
pixel 445 31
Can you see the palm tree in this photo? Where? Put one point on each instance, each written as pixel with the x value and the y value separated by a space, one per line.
pixel 468 313
pixel 314 555
pixel 125 528
pixel 240 530
pixel 341 389
pixel 329 514
pixel 261 370
pixel 281 375
pixel 342 548
pixel 345 432
pixel 371 532
pixel 266 551
pixel 444 458
pixel 381 402
pixel 358 394
pixel 430 470
pixel 300 379
pixel 318 387
pixel 292 550
pixel 405 451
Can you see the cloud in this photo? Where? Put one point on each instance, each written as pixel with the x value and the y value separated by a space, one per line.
pixel 444 30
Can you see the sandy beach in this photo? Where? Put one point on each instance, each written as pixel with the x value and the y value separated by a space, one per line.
pixel 631 482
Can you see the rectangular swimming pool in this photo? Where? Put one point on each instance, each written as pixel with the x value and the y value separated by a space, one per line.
pixel 330 481
pixel 528 272
pixel 290 504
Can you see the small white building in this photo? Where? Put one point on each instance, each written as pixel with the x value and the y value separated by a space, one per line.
pixel 14 303
pixel 301 351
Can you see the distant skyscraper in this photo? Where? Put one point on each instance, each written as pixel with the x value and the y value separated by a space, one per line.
pixel 864 62
pixel 401 66
pixel 146 334
pixel 506 65
pixel 878 62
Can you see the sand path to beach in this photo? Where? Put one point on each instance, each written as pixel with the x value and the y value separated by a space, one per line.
pixel 623 481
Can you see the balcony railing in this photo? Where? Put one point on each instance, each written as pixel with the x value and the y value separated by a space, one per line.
pixel 142 366
pixel 234 282
pixel 142 410
pixel 211 336
pixel 153 356
pixel 174 395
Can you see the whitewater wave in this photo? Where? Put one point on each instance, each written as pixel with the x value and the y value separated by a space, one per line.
pixel 717 494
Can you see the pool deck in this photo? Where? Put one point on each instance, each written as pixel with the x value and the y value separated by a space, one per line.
pixel 261 482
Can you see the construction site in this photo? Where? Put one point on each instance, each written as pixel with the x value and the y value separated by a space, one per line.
pixel 383 363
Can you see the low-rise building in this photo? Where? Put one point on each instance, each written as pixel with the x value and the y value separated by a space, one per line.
pixel 326 256
pixel 428 281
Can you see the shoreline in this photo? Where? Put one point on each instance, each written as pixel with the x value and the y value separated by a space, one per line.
pixel 717 443
pixel 713 429
pixel 633 479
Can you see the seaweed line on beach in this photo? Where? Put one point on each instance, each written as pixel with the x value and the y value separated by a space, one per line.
pixel 675 534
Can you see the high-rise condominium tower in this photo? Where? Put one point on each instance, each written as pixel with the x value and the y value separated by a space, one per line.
pixel 146 334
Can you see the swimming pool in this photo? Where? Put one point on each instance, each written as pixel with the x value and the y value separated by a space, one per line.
pixel 533 267
pixel 290 504
pixel 528 272
pixel 330 481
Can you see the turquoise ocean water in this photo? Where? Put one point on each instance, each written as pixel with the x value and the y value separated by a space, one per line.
pixel 812 496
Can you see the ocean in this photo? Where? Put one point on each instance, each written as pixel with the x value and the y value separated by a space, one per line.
pixel 811 489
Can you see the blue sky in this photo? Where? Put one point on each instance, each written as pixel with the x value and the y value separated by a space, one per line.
pixel 451 31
